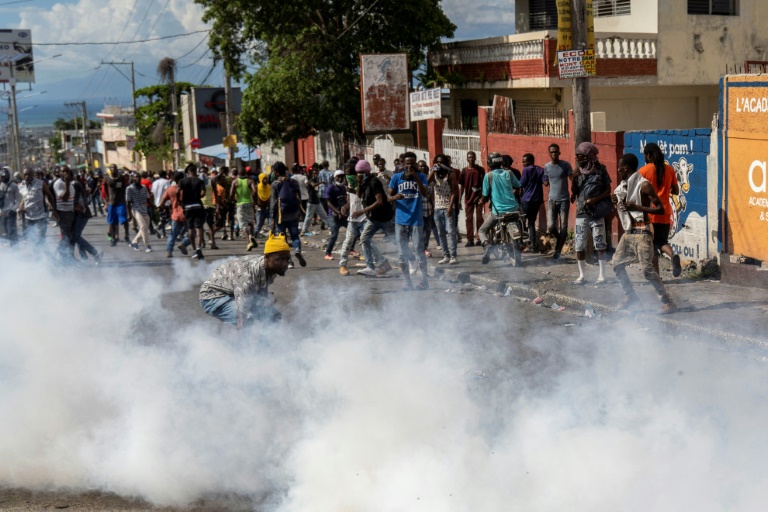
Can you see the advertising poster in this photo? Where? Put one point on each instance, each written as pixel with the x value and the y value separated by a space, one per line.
pixel 384 92
pixel 15 43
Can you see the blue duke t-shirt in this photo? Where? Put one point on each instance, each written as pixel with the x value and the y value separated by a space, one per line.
pixel 408 210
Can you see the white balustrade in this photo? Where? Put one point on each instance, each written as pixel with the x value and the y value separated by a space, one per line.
pixel 525 50
pixel 616 47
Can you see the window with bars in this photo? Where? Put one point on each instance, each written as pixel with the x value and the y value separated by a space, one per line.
pixel 713 7
pixel 603 8
pixel 543 14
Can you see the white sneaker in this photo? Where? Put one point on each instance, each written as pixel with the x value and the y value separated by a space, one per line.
pixel 445 260
pixel 413 269
pixel 579 280
pixel 367 271
pixel 454 261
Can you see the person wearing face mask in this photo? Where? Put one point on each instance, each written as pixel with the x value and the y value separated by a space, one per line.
pixel 336 196
pixel 446 190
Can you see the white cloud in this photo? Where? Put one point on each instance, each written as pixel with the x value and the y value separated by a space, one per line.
pixel 112 20
pixel 475 20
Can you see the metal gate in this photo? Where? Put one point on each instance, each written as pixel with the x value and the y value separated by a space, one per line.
pixel 456 144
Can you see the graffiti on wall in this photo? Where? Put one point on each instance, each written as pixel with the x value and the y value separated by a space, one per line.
pixel 686 151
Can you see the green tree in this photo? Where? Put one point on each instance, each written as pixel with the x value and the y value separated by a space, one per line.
pixel 307 55
pixel 154 127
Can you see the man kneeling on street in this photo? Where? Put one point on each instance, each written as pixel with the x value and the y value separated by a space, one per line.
pixel 635 198
pixel 237 291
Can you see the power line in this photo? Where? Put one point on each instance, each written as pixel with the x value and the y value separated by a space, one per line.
pixel 138 28
pixel 193 49
pixel 124 42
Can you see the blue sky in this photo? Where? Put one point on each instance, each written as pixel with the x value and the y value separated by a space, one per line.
pixel 73 77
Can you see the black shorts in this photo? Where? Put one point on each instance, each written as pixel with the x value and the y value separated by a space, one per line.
pixel 195 218
pixel 210 216
pixel 660 236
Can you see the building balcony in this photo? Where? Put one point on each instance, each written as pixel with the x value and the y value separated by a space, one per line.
pixel 529 59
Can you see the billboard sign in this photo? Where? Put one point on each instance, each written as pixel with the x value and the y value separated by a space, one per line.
pixel 426 105
pixel 16 44
pixel 209 105
pixel 384 92
pixel 745 164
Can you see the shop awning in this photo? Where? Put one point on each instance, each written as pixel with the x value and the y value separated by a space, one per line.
pixel 222 153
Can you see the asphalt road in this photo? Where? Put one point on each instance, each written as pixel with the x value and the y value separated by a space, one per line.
pixel 509 371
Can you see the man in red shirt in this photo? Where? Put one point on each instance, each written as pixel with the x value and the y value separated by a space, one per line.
pixel 664 180
pixel 471 188
pixel 178 221
pixel 151 204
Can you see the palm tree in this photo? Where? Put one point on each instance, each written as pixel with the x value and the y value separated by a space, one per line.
pixel 166 70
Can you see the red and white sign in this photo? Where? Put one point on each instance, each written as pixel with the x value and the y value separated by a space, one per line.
pixel 194 143
pixel 384 92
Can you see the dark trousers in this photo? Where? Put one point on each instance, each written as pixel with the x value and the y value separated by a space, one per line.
pixel 531 211
pixel 77 234
pixel 335 225
pixel 10 227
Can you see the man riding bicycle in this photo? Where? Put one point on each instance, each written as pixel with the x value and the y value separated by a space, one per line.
pixel 499 185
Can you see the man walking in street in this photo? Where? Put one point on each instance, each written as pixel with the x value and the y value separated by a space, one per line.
pixel 170 201
pixel 10 199
pixel 136 197
pixel 115 185
pixel 407 190
pixel 471 189
pixel 446 190
pixel 159 186
pixel 337 200
pixel 379 212
pixel 557 174
pixel 34 192
pixel 237 292
pixel 635 200
pixel 287 209
pixel 314 206
pixel 532 183
pixel 190 194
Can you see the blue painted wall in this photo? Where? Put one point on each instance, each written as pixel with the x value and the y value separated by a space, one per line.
pixel 687 152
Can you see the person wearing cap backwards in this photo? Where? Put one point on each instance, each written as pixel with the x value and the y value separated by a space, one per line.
pixel 237 292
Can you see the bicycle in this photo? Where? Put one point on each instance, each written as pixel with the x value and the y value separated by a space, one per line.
pixel 505 238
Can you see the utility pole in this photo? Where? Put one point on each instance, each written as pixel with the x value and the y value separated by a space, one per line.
pixel 228 115
pixel 581 100
pixel 17 160
pixel 85 141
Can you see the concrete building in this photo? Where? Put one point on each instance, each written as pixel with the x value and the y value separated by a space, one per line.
pixel 659 62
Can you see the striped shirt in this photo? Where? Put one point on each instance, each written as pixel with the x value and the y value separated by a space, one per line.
pixel 137 197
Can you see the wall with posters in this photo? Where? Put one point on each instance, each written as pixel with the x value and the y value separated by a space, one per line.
pixel 687 151
pixel 744 166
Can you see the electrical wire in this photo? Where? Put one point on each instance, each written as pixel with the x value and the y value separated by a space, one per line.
pixel 124 42
pixel 193 49
pixel 138 28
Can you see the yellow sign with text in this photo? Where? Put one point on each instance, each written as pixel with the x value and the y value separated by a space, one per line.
pixel 230 141
pixel 565 25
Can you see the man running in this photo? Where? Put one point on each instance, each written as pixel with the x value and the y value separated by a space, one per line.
pixel 635 200
pixel 237 292
pixel 243 190
pixel 190 195
pixel 379 212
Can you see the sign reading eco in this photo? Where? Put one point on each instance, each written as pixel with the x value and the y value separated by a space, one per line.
pixel 745 166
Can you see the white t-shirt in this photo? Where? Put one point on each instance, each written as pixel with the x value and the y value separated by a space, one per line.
pixel 159 187
pixel 59 188
pixel 355 205
pixel 302 181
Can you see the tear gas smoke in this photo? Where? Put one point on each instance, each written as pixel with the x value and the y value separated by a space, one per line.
pixel 414 404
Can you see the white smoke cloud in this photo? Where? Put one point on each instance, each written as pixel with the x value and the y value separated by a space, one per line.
pixel 410 403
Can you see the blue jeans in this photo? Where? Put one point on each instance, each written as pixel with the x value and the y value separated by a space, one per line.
pixel 335 224
pixel 558 210
pixel 177 228
pixel 370 229
pixel 262 215
pixel 291 227
pixel 354 229
pixel 312 210
pixel 77 234
pixel 446 230
pixel 222 308
pixel 9 225
pixel 403 235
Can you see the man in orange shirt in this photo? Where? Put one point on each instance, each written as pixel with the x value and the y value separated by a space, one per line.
pixel 664 180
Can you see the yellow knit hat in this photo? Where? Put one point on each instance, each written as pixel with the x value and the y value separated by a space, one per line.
pixel 276 243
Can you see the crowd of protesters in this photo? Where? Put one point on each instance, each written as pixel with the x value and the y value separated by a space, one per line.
pixel 411 204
